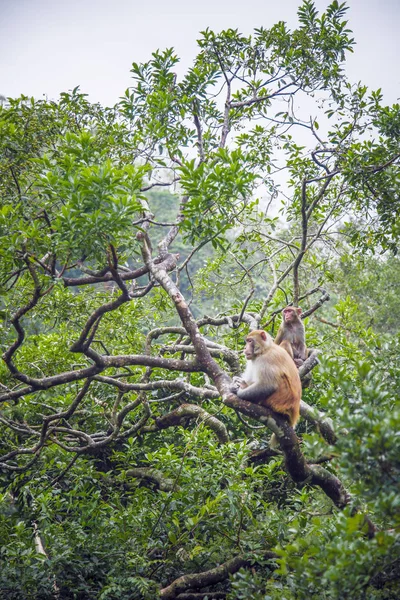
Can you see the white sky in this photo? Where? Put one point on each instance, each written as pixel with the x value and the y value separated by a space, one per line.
pixel 51 46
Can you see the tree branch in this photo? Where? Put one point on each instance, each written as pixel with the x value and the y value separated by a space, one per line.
pixel 295 462
pixel 193 411
pixel 207 578
pixel 155 476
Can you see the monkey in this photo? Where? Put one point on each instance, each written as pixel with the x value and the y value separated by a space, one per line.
pixel 270 379
pixel 291 335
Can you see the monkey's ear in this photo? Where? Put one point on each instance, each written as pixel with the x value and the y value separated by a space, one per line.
pixel 299 311
pixel 263 336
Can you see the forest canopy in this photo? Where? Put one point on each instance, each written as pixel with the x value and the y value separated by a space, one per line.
pixel 140 244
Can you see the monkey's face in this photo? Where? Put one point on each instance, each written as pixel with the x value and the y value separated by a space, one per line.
pixel 249 349
pixel 256 343
pixel 291 314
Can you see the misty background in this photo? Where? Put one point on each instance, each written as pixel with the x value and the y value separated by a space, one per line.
pixel 48 47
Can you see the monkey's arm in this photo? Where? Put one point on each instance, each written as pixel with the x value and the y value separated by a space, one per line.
pixel 279 336
pixel 286 345
pixel 256 392
pixel 237 382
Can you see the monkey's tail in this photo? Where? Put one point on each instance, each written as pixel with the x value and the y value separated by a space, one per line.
pixel 291 405
pixel 273 442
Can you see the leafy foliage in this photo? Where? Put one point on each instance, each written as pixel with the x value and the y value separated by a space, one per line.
pixel 123 308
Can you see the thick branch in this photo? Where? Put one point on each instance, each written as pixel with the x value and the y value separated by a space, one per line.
pixel 204 358
pixel 172 364
pixel 295 462
pixel 89 279
pixel 48 382
pixel 211 577
pixel 309 364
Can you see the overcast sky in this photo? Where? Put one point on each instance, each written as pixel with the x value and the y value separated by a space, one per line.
pixel 50 46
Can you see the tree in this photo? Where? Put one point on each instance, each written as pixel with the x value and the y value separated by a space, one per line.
pixel 104 426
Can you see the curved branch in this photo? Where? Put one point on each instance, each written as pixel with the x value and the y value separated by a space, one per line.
pixel 250 319
pixel 162 483
pixel 295 462
pixel 216 575
pixel 192 411
pixel 321 421
pixel 215 350
pixel 168 264
pixel 15 319
pixel 209 365
pixel 324 298
pixel 155 333
pixel 309 364
pixel 48 382
pixel 79 345
pixel 163 384
pixel 262 455
pixel 100 278
pixel 102 363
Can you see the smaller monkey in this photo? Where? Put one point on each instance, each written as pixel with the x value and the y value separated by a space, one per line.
pixel 291 335
pixel 270 378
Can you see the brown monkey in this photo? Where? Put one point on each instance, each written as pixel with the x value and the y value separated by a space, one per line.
pixel 291 335
pixel 270 378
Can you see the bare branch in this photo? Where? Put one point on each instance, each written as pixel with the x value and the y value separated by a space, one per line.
pixel 209 365
pixel 158 184
pixel 154 476
pixel 80 345
pixel 311 362
pixel 304 227
pixel 193 411
pixel 295 462
pixel 216 350
pixel 323 423
pixel 155 333
pixel 216 575
pixel 16 318
pixel 251 319
pixel 165 243
pixel 163 384
pixel 199 132
pixel 324 298
pixel 77 281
